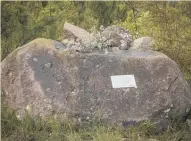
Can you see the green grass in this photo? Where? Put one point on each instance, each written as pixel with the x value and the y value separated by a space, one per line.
pixel 49 129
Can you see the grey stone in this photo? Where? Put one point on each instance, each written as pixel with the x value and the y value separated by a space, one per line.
pixel 35 59
pixel 48 65
pixel 59 45
pixel 115 35
pixel 74 32
pixel 189 82
pixel 79 84
pixel 143 43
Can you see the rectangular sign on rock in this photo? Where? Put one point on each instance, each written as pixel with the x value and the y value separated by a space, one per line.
pixel 123 81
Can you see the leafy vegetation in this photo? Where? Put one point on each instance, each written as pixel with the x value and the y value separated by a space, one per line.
pixel 169 24
pixel 37 129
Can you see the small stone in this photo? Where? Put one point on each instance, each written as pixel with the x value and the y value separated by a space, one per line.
pixel 102 28
pixel 48 65
pixel 18 117
pixel 51 52
pixel 49 107
pixel 10 74
pixel 48 89
pixel 166 111
pixel 35 59
pixel 59 45
pixel 188 121
pixel 28 55
pixel 187 110
pixel 65 41
pixel 145 43
pixel 28 108
pixel 106 51
pixel 122 41
pixel 79 119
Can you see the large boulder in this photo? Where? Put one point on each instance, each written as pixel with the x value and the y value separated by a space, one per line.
pixel 43 80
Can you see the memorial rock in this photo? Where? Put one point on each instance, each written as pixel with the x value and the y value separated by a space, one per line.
pixel 119 87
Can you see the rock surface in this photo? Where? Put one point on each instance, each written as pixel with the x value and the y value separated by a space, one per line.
pixel 189 82
pixel 74 32
pixel 117 37
pixel 143 43
pixel 43 80
pixel 80 40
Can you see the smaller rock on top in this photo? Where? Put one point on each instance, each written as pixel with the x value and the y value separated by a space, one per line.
pixel 113 37
pixel 118 37
pixel 73 32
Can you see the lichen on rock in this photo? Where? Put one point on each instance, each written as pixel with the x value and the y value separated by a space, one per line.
pixel 106 38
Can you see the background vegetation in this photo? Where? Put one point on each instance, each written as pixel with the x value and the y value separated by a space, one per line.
pixel 169 23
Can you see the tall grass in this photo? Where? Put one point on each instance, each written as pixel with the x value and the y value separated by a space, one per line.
pixel 50 129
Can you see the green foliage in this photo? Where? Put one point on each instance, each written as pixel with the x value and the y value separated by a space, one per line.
pixel 106 12
pixel 25 21
pixel 169 24
pixel 8 120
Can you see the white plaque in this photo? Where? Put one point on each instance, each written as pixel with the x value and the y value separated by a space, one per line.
pixel 123 81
